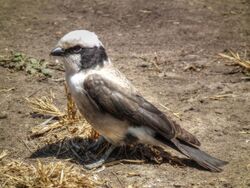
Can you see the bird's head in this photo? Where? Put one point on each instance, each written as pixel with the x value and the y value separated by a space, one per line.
pixel 80 49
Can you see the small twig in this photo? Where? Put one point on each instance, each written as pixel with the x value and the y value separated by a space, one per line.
pixel 3 185
pixel 245 132
pixel 219 97
pixel 155 61
pixel 156 66
pixel 149 61
pixel 7 90
pixel 35 92
pixel 57 79
pixel 247 78
pixel 26 145
pixel 61 177
pixel 47 121
pixel 3 154
pixel 174 113
pixel 124 161
pixel 46 129
pixel 235 57
pixel 118 179
pixel 132 174
pixel 132 161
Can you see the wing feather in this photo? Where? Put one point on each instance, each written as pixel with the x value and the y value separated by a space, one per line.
pixel 124 103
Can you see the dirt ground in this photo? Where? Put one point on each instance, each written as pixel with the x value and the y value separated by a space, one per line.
pixel 184 35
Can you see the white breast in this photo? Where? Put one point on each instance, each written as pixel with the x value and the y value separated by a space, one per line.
pixel 75 82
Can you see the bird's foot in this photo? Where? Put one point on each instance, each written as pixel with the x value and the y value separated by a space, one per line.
pixel 96 164
pixel 94 146
pixel 101 161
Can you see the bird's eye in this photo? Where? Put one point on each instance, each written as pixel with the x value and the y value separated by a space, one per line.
pixel 77 49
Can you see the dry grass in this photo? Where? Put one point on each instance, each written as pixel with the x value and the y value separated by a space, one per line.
pixel 176 114
pixel 44 105
pixel 3 154
pixel 68 124
pixel 70 120
pixel 220 96
pixel 236 59
pixel 55 174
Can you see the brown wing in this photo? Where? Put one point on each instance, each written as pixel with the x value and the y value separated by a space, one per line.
pixel 123 103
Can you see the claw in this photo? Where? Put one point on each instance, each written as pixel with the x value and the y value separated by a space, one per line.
pixel 101 161
pixel 96 164
pixel 94 146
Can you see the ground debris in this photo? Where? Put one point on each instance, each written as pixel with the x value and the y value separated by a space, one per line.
pixel 3 115
pixel 193 67
pixel 7 90
pixel 177 114
pixel 132 174
pixel 70 121
pixel 3 154
pixel 220 96
pixel 14 173
pixel 154 61
pixel 236 59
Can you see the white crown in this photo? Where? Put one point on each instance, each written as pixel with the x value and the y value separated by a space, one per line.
pixel 82 38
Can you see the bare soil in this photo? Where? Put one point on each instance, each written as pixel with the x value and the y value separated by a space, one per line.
pixel 182 37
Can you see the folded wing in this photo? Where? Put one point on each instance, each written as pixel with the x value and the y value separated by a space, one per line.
pixel 125 103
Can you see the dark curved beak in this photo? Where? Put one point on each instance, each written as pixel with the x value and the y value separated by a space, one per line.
pixel 57 52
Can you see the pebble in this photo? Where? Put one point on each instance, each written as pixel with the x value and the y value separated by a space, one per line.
pixel 3 115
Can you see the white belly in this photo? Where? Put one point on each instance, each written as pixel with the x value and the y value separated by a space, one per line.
pixel 114 130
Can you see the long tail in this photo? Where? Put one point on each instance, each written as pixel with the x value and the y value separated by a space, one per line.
pixel 202 158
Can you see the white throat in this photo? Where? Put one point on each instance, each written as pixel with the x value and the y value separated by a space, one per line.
pixel 72 64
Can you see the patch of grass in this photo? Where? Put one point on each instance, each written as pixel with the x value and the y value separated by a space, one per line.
pixel 14 173
pixel 68 124
pixel 70 119
pixel 21 62
pixel 236 59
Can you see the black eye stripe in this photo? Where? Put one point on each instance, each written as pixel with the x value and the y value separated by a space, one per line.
pixel 72 49
pixel 91 57
pixel 75 50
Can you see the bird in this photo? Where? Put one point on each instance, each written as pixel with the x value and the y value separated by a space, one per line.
pixel 115 108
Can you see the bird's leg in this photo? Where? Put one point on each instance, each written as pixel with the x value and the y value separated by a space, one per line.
pixel 94 146
pixel 102 160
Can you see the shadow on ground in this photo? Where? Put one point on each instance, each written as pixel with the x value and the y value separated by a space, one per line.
pixel 75 150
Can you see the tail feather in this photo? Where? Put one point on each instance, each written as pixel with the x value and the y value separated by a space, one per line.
pixel 186 136
pixel 202 158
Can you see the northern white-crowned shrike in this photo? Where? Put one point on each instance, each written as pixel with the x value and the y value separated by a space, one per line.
pixel 114 107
